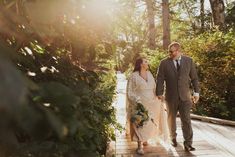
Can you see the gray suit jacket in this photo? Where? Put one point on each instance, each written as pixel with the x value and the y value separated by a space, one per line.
pixel 177 84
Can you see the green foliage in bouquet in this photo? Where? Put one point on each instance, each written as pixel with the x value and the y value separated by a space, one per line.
pixel 140 115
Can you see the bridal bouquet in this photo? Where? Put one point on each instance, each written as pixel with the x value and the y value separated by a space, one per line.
pixel 140 115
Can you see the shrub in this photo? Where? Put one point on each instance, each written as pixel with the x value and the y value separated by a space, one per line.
pixel 63 109
pixel 214 54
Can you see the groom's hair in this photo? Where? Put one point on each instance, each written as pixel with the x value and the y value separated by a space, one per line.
pixel 174 44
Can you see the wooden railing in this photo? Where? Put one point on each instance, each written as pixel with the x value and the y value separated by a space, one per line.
pixel 213 120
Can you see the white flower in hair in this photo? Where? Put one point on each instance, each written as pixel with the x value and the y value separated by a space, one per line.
pixel 138 100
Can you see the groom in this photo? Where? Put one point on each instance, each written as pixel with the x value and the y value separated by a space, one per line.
pixel 178 73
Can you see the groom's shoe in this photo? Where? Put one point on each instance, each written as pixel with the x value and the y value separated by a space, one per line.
pixel 174 142
pixel 188 148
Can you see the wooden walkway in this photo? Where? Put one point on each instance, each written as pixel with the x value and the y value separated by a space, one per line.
pixel 210 140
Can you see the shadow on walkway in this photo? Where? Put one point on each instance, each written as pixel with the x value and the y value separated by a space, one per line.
pixel 210 140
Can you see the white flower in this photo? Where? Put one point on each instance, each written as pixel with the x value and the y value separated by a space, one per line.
pixel 138 100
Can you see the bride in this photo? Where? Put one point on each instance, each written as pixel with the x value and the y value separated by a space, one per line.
pixel 141 88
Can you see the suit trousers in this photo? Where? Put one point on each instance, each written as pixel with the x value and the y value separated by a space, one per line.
pixel 184 108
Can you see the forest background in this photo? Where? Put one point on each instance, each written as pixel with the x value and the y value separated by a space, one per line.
pixel 58 60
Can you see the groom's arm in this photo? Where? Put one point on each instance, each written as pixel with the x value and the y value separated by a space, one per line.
pixel 194 77
pixel 160 80
pixel 194 81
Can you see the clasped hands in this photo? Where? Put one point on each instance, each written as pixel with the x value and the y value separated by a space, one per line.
pixel 195 99
pixel 161 97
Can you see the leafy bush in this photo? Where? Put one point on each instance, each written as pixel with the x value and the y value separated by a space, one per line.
pixel 230 15
pixel 57 88
pixel 153 56
pixel 214 54
pixel 67 110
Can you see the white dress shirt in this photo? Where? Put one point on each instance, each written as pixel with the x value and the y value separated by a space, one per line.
pixel 175 63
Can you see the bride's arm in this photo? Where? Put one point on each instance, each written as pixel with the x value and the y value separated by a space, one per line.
pixel 154 86
pixel 153 83
pixel 131 89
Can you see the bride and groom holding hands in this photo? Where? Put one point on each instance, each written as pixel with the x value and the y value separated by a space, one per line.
pixel 163 98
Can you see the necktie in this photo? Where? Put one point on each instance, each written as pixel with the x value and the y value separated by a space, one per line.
pixel 177 65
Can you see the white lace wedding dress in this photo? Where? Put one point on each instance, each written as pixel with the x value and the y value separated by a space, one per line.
pixel 144 91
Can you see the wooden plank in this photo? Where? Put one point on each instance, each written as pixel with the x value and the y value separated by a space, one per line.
pixel 202 148
pixel 210 140
pixel 214 138
pixel 172 153
pixel 201 143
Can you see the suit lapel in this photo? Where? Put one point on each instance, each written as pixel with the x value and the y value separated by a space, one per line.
pixel 172 65
pixel 182 61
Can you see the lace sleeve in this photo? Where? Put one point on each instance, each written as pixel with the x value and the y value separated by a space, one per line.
pixel 153 83
pixel 131 89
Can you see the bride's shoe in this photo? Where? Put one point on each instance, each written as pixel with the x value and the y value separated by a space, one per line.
pixel 140 151
pixel 145 143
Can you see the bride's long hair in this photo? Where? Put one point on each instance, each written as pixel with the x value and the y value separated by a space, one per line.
pixel 138 63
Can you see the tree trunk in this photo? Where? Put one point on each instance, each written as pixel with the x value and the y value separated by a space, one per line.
pixel 166 23
pixel 217 7
pixel 151 24
pixel 202 15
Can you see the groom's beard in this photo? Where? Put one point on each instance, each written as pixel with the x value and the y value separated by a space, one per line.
pixel 172 56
